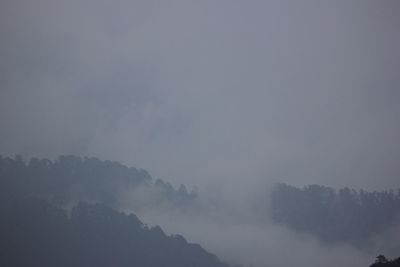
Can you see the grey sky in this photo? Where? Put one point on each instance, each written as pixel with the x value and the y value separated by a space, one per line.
pixel 205 92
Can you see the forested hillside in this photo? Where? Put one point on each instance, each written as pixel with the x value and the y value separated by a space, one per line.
pixel 70 179
pixel 67 212
pixel 343 215
pixel 46 219
pixel 35 233
pixel 382 261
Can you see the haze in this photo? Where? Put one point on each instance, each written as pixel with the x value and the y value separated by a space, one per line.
pixel 203 91
pixel 223 95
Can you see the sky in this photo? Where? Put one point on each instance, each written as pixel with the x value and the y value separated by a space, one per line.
pixel 209 93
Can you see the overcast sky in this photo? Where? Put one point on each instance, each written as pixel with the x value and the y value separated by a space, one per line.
pixel 207 92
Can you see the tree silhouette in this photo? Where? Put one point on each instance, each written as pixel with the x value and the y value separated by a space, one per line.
pixel 35 233
pixel 382 261
pixel 344 215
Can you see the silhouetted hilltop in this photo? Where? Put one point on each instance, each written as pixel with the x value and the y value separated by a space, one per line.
pixel 382 261
pixel 36 230
pixel 343 215
pixel 70 179
pixel 35 233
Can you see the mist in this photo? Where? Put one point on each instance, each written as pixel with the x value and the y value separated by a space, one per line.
pixel 227 96
pixel 252 244
pixel 240 234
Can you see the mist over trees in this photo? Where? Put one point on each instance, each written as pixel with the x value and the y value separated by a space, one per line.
pixel 70 179
pixel 382 261
pixel 69 212
pixel 343 215
pixel 45 223
pixel 35 233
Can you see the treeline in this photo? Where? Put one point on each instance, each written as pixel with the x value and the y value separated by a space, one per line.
pixel 37 230
pixel 70 179
pixel 343 215
pixel 35 233
pixel 64 213
pixel 382 261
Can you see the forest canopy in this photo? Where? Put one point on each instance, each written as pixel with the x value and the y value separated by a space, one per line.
pixel 343 215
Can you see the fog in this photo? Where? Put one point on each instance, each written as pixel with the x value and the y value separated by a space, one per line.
pixel 240 234
pixel 253 244
pixel 223 95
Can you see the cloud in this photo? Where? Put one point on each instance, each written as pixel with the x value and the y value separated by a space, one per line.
pixel 207 91
pixel 226 95
pixel 241 240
